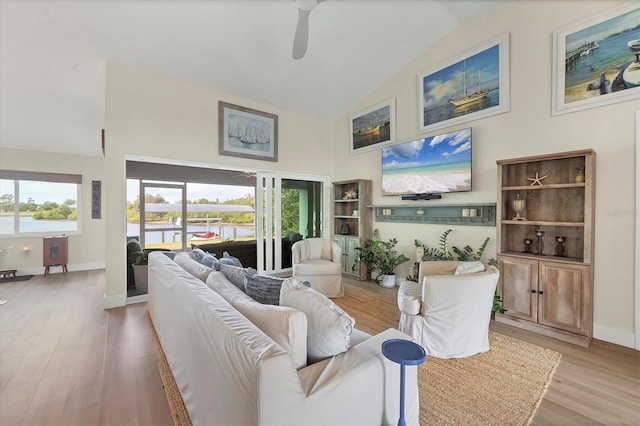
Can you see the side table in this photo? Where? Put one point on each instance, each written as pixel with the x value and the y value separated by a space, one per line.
pixel 403 352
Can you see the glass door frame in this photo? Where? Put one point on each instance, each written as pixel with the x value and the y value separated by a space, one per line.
pixel 155 184
pixel 268 205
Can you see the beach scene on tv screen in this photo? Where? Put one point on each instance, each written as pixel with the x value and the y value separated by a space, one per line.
pixel 435 164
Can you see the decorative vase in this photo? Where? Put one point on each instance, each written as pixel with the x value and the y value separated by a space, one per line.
pixel 527 245
pixel 518 206
pixel 580 175
pixel 345 229
pixel 388 281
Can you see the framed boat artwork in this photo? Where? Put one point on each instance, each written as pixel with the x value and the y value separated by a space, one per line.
pixel 597 61
pixel 247 133
pixel 469 87
pixel 374 127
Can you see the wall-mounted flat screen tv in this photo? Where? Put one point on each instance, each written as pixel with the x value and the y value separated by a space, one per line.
pixel 433 165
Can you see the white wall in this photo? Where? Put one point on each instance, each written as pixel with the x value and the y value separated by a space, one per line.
pixel 87 250
pixel 149 115
pixel 528 129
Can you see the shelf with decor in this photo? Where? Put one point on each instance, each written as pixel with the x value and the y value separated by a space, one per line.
pixel 471 214
pixel 544 244
pixel 351 222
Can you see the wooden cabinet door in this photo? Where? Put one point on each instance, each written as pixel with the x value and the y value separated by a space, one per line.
pixel 519 287
pixel 341 241
pixel 564 297
pixel 350 256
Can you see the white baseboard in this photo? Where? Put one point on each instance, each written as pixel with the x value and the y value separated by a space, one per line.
pixel 39 270
pixel 614 335
pixel 137 299
pixel 116 301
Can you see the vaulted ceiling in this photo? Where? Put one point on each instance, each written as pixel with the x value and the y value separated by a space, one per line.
pixel 53 55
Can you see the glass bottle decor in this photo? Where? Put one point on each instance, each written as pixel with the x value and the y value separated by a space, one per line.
pixel 580 175
pixel 539 242
pixel 527 245
pixel 560 246
pixel 518 206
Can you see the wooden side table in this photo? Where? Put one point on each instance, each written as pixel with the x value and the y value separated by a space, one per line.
pixel 54 253
pixel 8 273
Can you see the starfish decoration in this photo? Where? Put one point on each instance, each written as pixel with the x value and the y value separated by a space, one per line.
pixel 537 180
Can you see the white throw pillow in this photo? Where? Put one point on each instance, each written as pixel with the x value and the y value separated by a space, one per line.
pixel 329 327
pixel 469 268
pixel 196 269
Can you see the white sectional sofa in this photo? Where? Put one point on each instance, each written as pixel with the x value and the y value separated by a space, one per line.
pixel 231 372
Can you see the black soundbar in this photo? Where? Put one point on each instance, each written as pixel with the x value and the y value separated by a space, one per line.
pixel 416 197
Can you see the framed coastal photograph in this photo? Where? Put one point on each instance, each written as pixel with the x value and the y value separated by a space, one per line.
pixel 469 87
pixel 374 127
pixel 596 61
pixel 247 133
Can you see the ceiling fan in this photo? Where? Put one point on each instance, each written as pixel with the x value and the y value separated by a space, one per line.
pixel 301 38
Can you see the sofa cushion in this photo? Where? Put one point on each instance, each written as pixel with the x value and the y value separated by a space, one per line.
pixel 194 268
pixel 314 267
pixel 235 274
pixel 469 268
pixel 286 326
pixel 438 267
pixel 263 288
pixel 329 327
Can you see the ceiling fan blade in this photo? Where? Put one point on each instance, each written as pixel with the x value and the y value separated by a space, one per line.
pixel 301 38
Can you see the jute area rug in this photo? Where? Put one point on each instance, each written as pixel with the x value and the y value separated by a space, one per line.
pixel 501 387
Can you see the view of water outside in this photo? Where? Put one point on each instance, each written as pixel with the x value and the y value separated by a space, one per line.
pixel 214 194
pixel 38 198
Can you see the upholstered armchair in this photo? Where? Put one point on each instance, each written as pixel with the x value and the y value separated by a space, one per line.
pixel 318 261
pixel 448 311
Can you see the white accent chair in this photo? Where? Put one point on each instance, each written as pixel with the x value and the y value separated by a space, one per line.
pixel 318 261
pixel 449 314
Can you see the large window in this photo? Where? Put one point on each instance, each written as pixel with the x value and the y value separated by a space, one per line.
pixel 38 203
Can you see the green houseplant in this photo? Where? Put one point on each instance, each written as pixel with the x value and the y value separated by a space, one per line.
pixel 380 256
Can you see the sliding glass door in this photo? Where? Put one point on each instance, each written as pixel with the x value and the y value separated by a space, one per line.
pixel 289 208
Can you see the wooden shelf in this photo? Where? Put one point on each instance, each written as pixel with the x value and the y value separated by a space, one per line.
pixel 540 223
pixel 539 187
pixel 358 226
pixel 446 214
pixel 548 294
pixel 543 257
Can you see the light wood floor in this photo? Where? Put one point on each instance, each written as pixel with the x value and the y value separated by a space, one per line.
pixel 64 360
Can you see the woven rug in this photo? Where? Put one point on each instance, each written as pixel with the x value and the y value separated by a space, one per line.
pixel 176 404
pixel 503 386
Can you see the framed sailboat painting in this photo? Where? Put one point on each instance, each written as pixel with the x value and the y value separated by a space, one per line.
pixel 469 87
pixel 247 133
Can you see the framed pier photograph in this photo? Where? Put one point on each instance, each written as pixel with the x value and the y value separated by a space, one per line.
pixel 247 133
pixel 597 61
pixel 469 87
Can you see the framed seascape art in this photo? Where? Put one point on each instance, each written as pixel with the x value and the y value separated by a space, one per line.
pixel 248 133
pixel 597 61
pixel 471 86
pixel 374 127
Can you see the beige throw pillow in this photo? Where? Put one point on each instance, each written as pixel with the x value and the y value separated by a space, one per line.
pixel 329 327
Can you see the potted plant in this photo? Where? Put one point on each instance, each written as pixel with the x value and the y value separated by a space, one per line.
pixel 465 254
pixel 381 258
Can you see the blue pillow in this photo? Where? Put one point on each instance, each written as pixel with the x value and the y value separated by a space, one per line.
pixel 234 274
pixel 230 260
pixel 204 258
pixel 263 288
